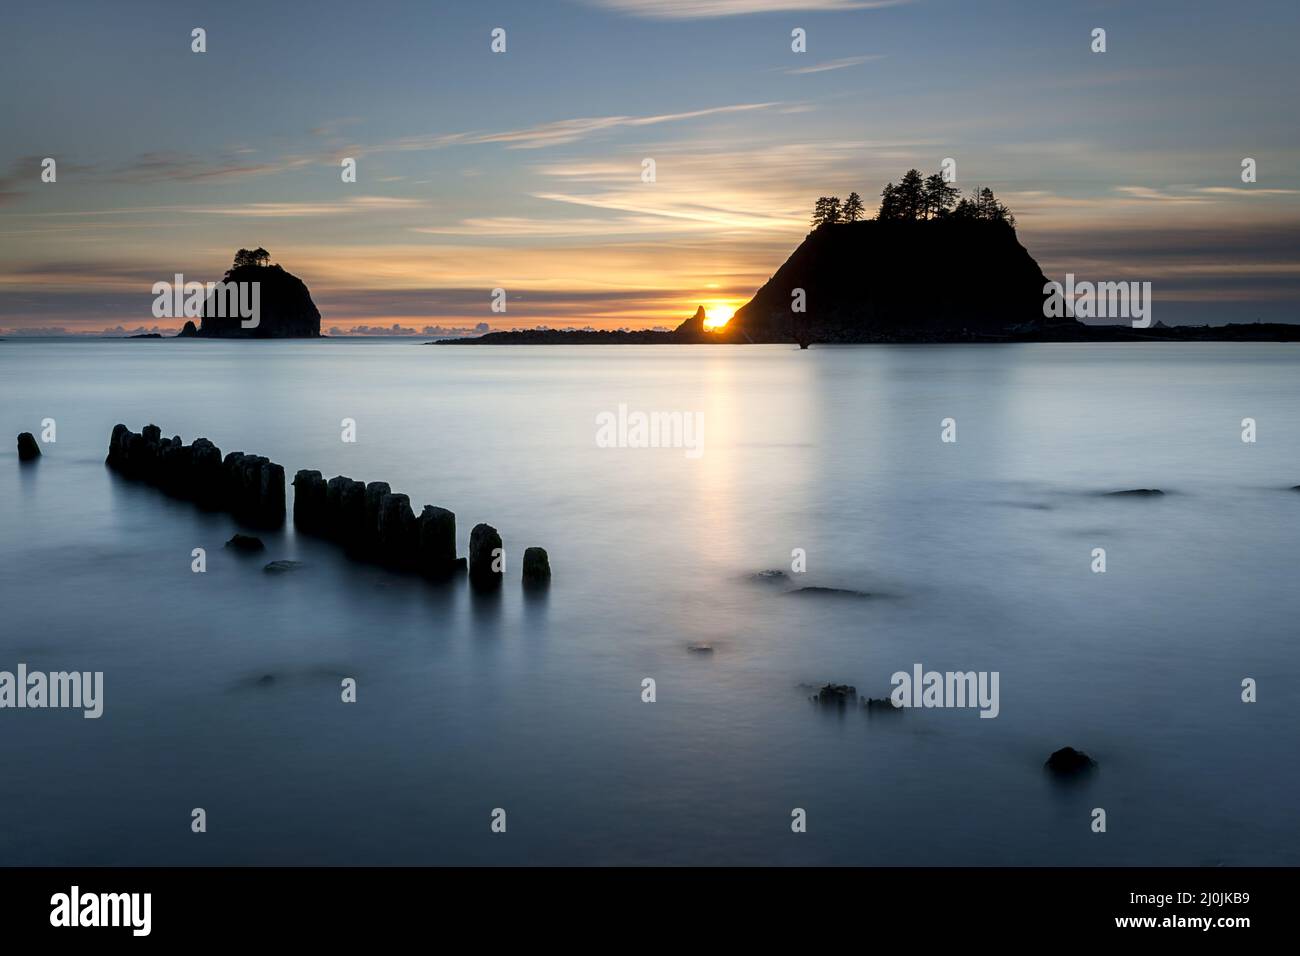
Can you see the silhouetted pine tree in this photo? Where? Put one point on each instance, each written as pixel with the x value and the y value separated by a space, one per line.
pixel 940 196
pixel 852 208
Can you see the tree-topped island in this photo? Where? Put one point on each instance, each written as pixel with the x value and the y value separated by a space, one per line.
pixel 284 305
pixel 917 198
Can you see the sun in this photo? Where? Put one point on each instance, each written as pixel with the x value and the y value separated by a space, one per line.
pixel 717 315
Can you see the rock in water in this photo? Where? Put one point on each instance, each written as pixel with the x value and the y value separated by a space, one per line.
pixel 486 557
pixel 254 489
pixel 368 543
pixel 1136 493
pixel 248 486
pixel 174 467
pixel 271 495
pixel 310 495
pixel 398 537
pixel 1068 762
pixel 245 542
pixel 831 592
pixel 537 567
pixel 285 308
pixel 28 450
pixel 352 529
pixel 205 474
pixel 282 567
pixel 436 542
pixel 839 694
pixel 880 704
pixel 117 446
pixel 333 521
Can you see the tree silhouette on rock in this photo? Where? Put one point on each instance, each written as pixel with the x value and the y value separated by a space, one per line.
pixel 258 257
pixel 852 211
pixel 940 196
pixel 826 210
pixel 916 198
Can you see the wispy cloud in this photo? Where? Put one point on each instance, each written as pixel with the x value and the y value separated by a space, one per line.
pixel 292 210
pixel 1245 191
pixel 834 64
pixel 709 9
pixel 558 132
pixel 181 167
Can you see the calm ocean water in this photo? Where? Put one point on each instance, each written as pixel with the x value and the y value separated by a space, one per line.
pixel 982 550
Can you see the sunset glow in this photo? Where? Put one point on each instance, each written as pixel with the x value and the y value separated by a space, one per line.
pixel 543 195
pixel 716 316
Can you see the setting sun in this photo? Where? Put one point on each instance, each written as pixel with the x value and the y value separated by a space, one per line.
pixel 717 315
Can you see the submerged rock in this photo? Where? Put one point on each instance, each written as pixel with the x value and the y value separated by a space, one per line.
pixel 485 557
pixel 537 567
pixel 877 704
pixel 839 694
pixel 1068 762
pixel 832 592
pixel 770 576
pixel 1136 493
pixel 28 450
pixel 700 648
pixel 282 567
pixel 246 542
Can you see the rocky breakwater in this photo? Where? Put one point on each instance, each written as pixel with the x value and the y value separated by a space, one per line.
pixel 370 522
pixel 373 523
pixel 249 487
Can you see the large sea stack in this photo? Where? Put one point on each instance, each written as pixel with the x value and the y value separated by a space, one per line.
pixel 897 281
pixel 285 307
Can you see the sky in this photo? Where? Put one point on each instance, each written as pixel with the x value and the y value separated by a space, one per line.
pixel 523 170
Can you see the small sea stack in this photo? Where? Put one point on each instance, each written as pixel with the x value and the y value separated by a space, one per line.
pixel 485 553
pixel 249 487
pixel 28 450
pixel 1068 762
pixel 537 568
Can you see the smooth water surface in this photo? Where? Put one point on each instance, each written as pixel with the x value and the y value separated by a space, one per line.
pixel 978 555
